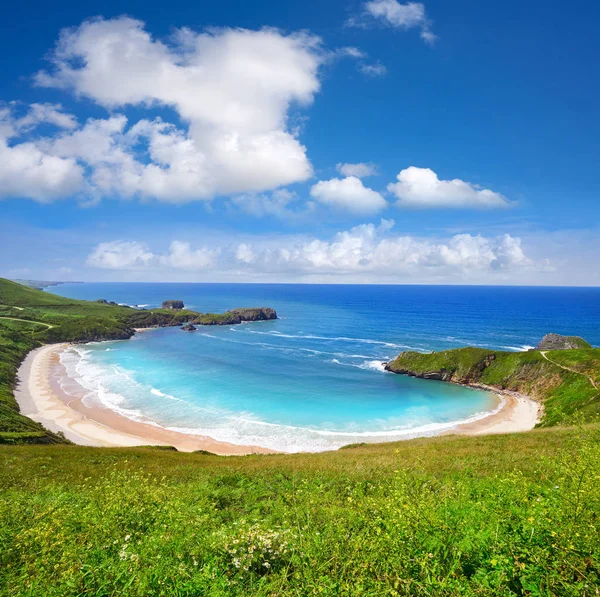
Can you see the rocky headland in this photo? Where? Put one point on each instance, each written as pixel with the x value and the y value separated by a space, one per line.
pixel 561 378
pixel 558 342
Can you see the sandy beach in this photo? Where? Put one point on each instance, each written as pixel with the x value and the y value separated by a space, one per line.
pixel 41 398
pixel 517 413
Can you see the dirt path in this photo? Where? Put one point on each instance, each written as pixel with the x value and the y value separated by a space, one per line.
pixel 543 353
pixel 28 321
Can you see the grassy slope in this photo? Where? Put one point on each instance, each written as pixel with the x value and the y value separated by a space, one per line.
pixel 58 319
pixel 565 394
pixel 498 515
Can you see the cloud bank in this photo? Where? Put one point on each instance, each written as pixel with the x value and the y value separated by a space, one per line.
pixel 361 251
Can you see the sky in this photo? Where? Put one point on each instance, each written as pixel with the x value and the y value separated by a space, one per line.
pixel 342 141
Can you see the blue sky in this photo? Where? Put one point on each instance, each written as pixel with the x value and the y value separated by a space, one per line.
pixel 375 141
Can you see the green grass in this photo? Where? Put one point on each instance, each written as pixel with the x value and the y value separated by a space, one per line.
pixel 499 515
pixel 566 395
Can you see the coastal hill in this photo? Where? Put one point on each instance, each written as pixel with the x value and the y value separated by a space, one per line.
pixel 566 382
pixel 30 317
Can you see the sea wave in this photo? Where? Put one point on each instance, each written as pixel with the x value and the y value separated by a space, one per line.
pixel 291 349
pixel 288 438
pixel 522 348
pixel 331 338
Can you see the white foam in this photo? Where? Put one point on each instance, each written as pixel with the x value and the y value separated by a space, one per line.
pixel 523 348
pixel 160 394
pixel 333 338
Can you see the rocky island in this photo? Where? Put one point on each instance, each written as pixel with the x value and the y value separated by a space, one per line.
pixel 558 342
pixel 175 305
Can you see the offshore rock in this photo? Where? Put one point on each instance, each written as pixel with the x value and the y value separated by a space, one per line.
pixel 176 305
pixel 189 328
pixel 558 342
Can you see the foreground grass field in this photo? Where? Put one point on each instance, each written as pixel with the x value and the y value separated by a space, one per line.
pixel 498 515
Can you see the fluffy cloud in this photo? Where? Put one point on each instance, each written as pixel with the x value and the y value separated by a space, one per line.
pixel 120 255
pixel 359 170
pixel 348 193
pixel 132 255
pixel 25 169
pixel 401 16
pixel 233 89
pixel 421 187
pixel 364 250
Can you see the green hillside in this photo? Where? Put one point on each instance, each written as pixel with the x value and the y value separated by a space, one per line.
pixel 508 515
pixel 565 381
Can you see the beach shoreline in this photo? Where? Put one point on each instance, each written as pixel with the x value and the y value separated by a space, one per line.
pixel 40 397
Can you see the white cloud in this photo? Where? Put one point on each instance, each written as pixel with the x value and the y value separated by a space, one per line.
pixel 421 187
pixel 348 193
pixel 372 70
pixel 26 170
pixel 132 255
pixel 360 170
pixel 120 255
pixel 363 251
pixel 182 256
pixel 49 114
pixel 402 16
pixel 232 87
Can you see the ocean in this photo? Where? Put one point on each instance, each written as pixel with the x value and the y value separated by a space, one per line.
pixel 313 380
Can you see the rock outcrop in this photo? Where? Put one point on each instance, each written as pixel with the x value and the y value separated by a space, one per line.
pixel 558 342
pixel 254 314
pixel 175 305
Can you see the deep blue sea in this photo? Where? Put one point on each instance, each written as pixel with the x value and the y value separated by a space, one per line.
pixel 313 379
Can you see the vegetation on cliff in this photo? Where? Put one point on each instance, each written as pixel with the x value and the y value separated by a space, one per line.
pixel 565 381
pixel 30 317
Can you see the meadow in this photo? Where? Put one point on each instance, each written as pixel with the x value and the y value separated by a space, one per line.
pixel 498 515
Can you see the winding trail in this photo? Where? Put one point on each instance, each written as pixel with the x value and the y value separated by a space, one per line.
pixel 49 326
pixel 591 380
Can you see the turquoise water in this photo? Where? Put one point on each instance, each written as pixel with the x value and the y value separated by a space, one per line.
pixel 313 380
